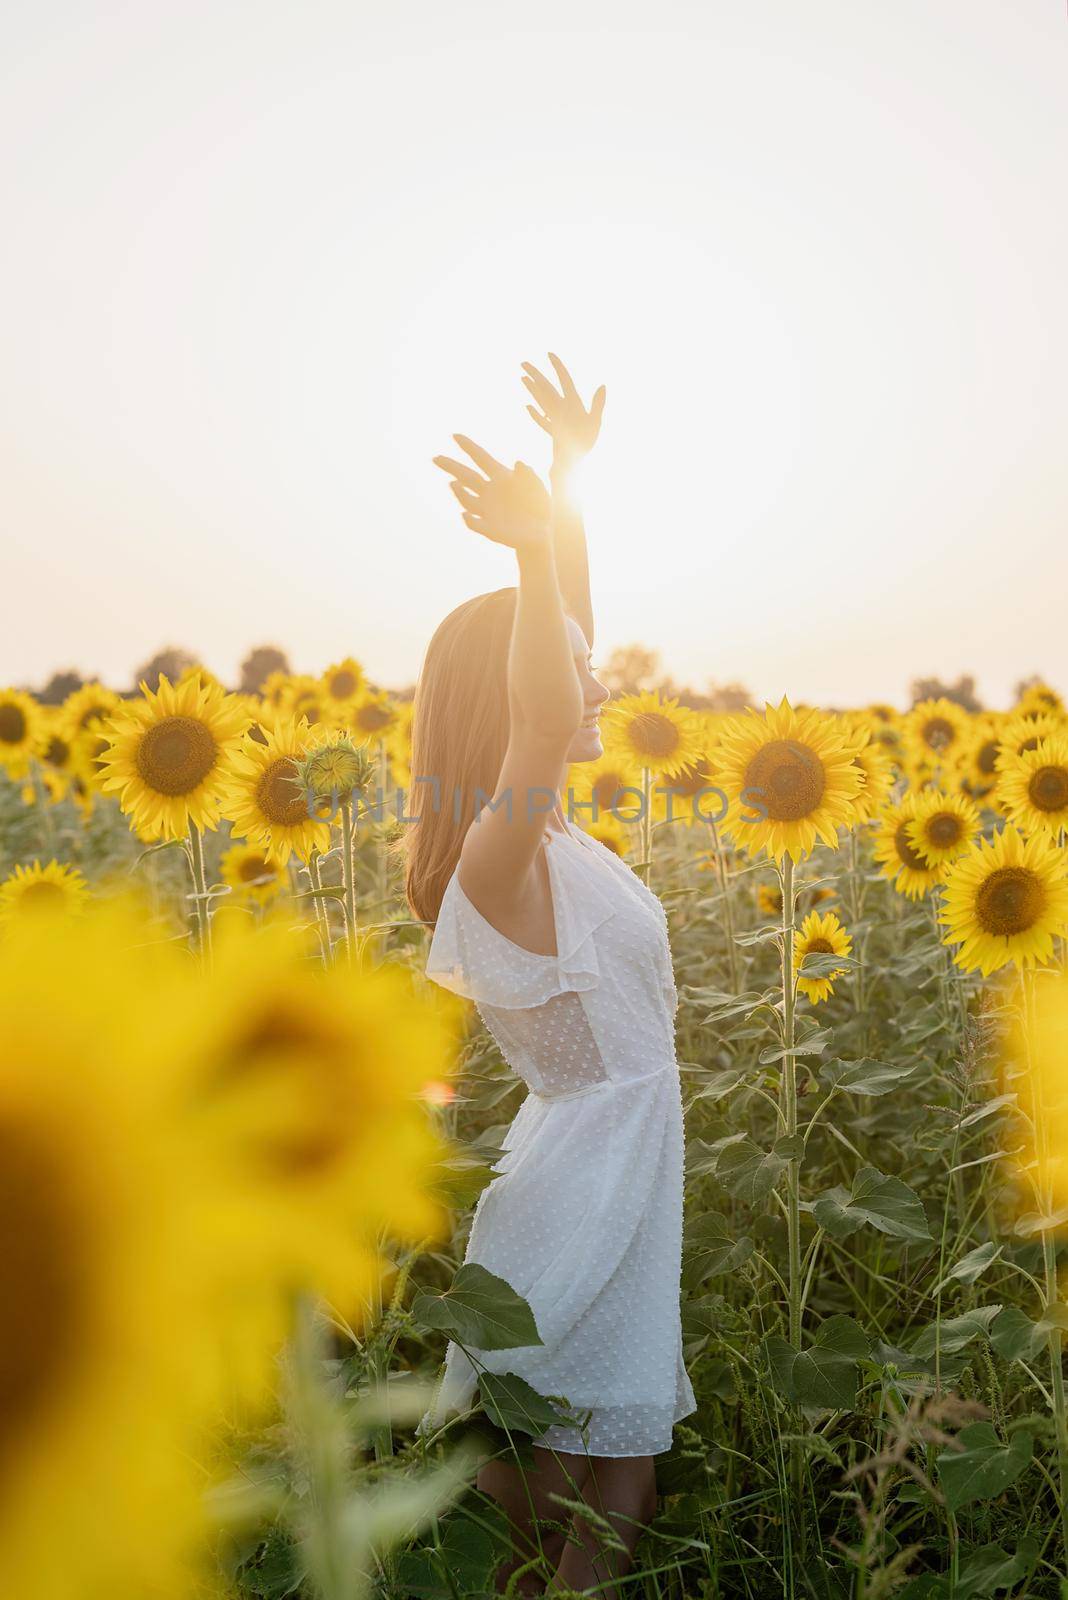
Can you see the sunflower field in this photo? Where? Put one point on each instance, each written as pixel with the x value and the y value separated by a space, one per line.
pixel 242 1140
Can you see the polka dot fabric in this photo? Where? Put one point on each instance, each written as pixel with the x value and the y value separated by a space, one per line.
pixel 585 1219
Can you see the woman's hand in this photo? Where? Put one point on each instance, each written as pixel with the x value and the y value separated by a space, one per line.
pixel 509 505
pixel 571 427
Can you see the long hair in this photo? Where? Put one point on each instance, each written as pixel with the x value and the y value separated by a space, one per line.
pixel 460 729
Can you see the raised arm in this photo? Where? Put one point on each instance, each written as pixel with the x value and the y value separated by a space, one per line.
pixel 510 507
pixel 573 430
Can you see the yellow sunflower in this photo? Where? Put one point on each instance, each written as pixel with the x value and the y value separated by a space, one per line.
pixel 979 762
pixel 769 899
pixel 820 935
pixel 342 685
pixel 1032 788
pixel 1040 697
pixel 274 689
pixel 374 716
pixel 88 708
pixel 57 748
pixel 944 826
pixel 1006 901
pixel 789 778
pixel 607 787
pixel 21 730
pixel 97 1430
pixel 168 754
pixel 652 732
pixel 303 697
pixel 263 797
pixel 874 762
pixel 1022 733
pixel 687 797
pixel 936 732
pixel 36 888
pixel 880 712
pixel 250 875
pixel 611 833
pixel 899 859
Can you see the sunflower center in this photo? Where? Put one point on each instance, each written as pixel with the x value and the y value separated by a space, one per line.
pixel 57 752
pixel 986 760
pixel 945 830
pixel 789 778
pixel 176 755
pixel 691 780
pixel 1010 901
pixel 42 892
pixel 12 724
pixel 253 867
pixel 280 796
pixel 91 715
pixel 342 684
pixel 819 947
pixel 654 735
pixel 373 718
pixel 938 733
pixel 906 852
pixel 1048 789
pixel 606 788
pixel 39 1331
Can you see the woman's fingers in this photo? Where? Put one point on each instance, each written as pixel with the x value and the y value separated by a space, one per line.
pixel 461 471
pixel 469 501
pixel 569 390
pixel 540 387
pixel 480 457
pixel 597 404
pixel 543 422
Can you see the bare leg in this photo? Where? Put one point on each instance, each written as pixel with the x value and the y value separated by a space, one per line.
pixel 623 1491
pixel 526 1498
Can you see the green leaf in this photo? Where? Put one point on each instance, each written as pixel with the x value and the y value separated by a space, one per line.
pixel 984 1467
pixel 983 1573
pixel 711 1246
pixel 987 1109
pixel 825 1374
pixel 1016 1338
pixel 971 1266
pixel 472 1546
pixel 747 1172
pixel 1036 1222
pixel 884 1202
pixel 481 1311
pixel 954 1333
pixel 867 1077
pixel 511 1403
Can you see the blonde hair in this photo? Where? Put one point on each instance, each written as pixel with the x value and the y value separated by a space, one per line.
pixel 460 729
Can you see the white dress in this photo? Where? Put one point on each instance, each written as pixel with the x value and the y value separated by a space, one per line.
pixel 585 1220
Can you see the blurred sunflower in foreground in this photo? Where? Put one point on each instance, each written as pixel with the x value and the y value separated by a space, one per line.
pixel 174 1170
pixel 33 888
pixel 790 778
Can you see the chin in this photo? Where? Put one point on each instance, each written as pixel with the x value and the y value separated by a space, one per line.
pixel 586 746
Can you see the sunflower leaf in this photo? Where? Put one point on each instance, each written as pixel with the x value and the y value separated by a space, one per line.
pixel 866 1076
pixel 984 1467
pixel 875 1198
pixel 480 1310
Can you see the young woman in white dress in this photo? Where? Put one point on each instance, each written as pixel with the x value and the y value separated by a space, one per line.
pixel 565 953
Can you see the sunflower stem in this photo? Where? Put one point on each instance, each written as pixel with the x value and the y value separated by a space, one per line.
pixel 383 847
pixel 322 912
pixel 728 904
pixel 348 875
pixel 647 827
pixel 1049 1252
pixel 788 1108
pixel 200 890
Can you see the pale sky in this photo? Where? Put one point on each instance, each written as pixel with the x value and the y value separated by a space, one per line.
pixel 260 260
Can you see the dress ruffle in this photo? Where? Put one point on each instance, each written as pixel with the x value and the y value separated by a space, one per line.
pixel 469 956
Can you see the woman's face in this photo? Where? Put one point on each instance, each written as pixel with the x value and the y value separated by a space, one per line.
pixel 586 745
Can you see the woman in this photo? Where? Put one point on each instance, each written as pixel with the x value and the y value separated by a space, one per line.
pixel 565 953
